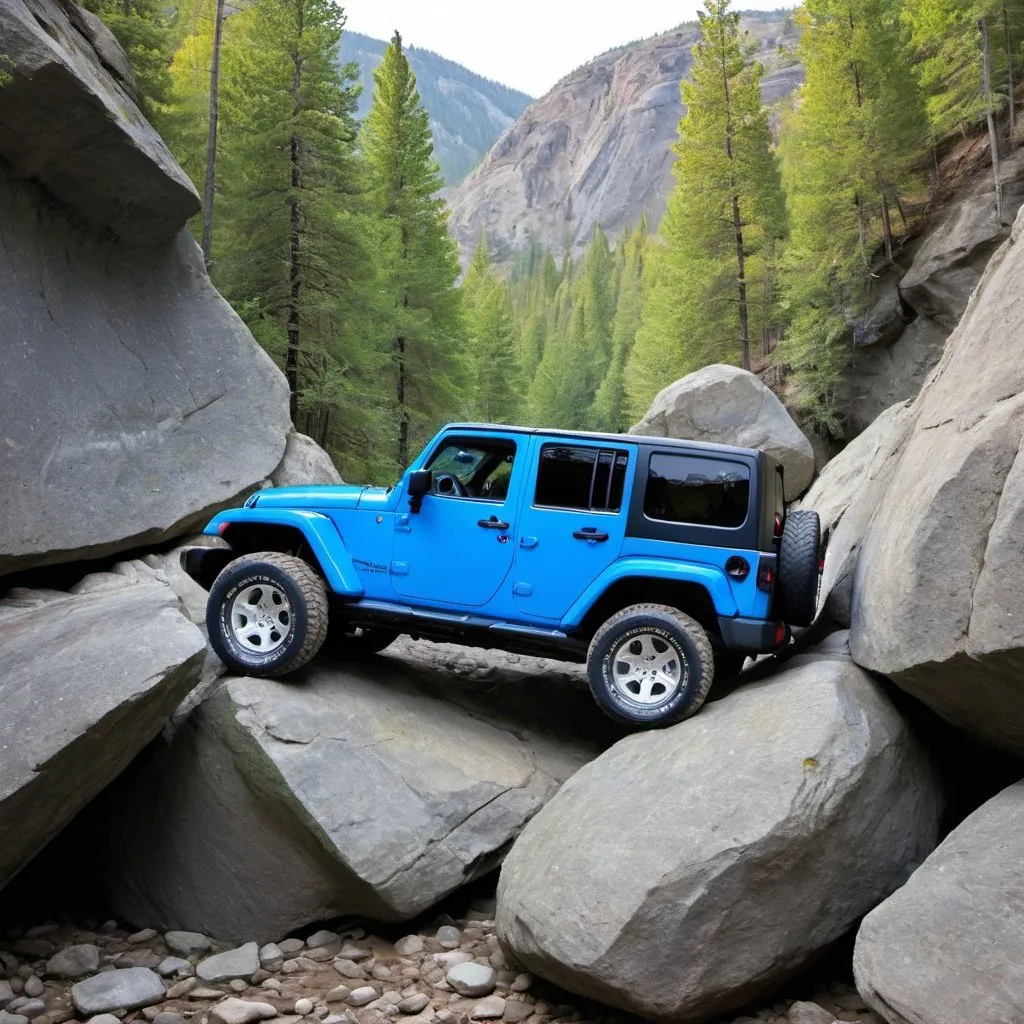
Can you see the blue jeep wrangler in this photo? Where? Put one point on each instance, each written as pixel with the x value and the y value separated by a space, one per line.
pixel 657 562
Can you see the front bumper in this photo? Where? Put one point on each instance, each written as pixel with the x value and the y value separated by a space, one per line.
pixel 752 634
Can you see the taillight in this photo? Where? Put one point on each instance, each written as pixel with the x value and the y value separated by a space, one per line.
pixel 780 634
pixel 766 574
pixel 778 525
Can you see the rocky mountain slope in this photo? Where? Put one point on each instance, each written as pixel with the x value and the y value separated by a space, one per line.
pixel 597 149
pixel 467 111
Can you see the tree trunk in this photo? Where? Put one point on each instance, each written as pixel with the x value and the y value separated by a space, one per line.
pixel 211 139
pixel 886 221
pixel 291 368
pixel 1009 81
pixel 993 138
pixel 403 412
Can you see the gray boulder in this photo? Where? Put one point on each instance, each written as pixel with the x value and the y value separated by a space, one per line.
pixel 936 603
pixel 88 681
pixel 126 989
pixel 74 961
pixel 949 946
pixel 242 962
pixel 688 871
pixel 846 495
pixel 727 405
pixel 359 790
pixel 304 462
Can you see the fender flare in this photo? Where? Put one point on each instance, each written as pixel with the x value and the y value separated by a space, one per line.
pixel 320 533
pixel 710 577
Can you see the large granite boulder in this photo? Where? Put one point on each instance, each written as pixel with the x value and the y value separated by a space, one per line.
pixel 88 680
pixel 846 495
pixel 304 462
pixel 949 946
pixel 936 602
pixel 688 871
pixel 133 400
pixel 727 405
pixel 352 790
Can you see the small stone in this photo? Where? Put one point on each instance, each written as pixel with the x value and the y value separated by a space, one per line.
pixel 182 988
pixel 187 943
pixel 109 926
pixel 242 962
pixel 289 967
pixel 492 1008
pixel 129 989
pixel 809 1013
pixel 173 965
pixel 140 957
pixel 168 1018
pixel 237 985
pixel 145 935
pixel 304 963
pixel 517 1012
pixel 446 1017
pixel 6 993
pixel 362 996
pixel 103 1018
pixel 523 983
pixel 40 930
pixel 291 947
pixel 349 969
pixel 409 946
pixel 449 936
pixel 33 987
pixel 35 949
pixel 271 956
pixel 380 972
pixel 319 954
pixel 241 1011
pixel 8 961
pixel 272 983
pixel 323 938
pixel 469 979
pixel 352 952
pixel 74 962
pixel 151 1012
pixel 12 1018
pixel 414 1004
pixel 303 1006
pixel 259 976
pixel 338 1018
pixel 446 961
pixel 338 994
pixel 43 1018
pixel 32 1008
pixel 205 993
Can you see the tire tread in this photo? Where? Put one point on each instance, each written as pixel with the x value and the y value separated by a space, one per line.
pixel 798 567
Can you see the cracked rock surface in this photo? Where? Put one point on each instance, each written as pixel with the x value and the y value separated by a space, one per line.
pixel 687 871
pixel 89 679
pixel 936 596
pixel 348 790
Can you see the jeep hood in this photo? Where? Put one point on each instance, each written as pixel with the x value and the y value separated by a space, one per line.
pixel 327 496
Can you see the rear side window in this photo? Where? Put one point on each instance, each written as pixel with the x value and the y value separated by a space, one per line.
pixel 589 479
pixel 696 490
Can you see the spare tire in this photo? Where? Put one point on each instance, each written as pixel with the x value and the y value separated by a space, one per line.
pixel 797 586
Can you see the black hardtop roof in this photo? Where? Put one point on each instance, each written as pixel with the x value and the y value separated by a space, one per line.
pixel 645 439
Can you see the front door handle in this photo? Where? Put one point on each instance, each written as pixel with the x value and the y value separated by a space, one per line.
pixel 494 523
pixel 590 533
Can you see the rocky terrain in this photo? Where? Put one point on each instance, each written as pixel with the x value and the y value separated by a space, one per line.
pixel 596 150
pixel 835 837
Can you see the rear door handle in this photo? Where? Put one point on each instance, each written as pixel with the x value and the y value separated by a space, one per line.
pixel 494 523
pixel 589 533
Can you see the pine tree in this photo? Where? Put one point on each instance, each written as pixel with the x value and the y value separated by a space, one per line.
pixel 421 263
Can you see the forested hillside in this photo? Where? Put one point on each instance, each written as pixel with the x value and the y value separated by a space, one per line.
pixel 329 237
pixel 467 112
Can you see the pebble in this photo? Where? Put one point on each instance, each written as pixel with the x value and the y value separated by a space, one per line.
pixel 237 985
pixel 12 1018
pixel 6 993
pixel 173 965
pixel 338 1018
pixel 414 1004
pixel 272 983
pixel 303 1006
pixel 150 1013
pixel 32 1008
pixel 353 952
pixel 187 943
pixel 360 997
pixel 40 929
pixel 33 987
pixel 338 994
pixel 8 961
pixel 446 1017
pixel 241 962
pixel 523 983
pixel 103 1018
pixel 205 993
pixel 109 926
pixel 446 961
pixel 271 956
pixel 349 969
pixel 409 946
pixel 289 967
pixel 182 988
pixel 290 947
pixel 241 1011
pixel 470 979
pixel 138 958
pixel 517 1012
pixel 168 1018
pixel 809 1013
pixel 118 990
pixel 323 938
pixel 37 949
pixel 449 936
pixel 74 962
pixel 145 935
pixel 319 954
pixel 380 972
pixel 492 1008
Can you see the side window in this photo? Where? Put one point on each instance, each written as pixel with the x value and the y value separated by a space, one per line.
pixel 473 468
pixel 696 490
pixel 589 479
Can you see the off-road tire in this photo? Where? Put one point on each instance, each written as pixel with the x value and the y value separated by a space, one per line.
pixel 668 626
pixel 342 639
pixel 307 597
pixel 798 581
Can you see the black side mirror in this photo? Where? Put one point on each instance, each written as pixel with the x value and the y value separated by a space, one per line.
pixel 420 483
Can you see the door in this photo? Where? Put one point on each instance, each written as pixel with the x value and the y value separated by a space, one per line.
pixel 572 524
pixel 457 550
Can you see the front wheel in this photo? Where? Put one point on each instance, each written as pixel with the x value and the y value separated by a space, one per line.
pixel 267 614
pixel 650 665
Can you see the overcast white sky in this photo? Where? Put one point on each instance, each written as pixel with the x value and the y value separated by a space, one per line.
pixel 528 44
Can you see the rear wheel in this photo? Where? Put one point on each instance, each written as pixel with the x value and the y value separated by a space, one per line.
pixel 798 567
pixel 650 665
pixel 267 614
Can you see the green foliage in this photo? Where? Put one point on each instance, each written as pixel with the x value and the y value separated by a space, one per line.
pixel 6 67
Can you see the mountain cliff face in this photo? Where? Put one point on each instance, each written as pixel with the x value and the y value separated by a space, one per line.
pixel 467 112
pixel 597 149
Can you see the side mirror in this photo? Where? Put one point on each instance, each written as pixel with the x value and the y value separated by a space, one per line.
pixel 420 483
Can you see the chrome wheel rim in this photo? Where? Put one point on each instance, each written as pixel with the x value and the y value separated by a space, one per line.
pixel 261 618
pixel 647 670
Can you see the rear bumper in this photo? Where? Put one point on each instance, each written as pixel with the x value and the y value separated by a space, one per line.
pixel 751 634
pixel 205 564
